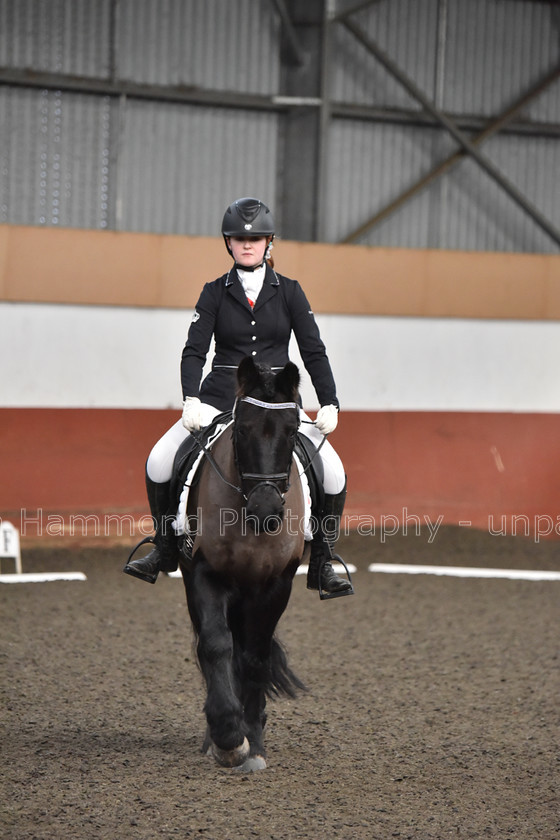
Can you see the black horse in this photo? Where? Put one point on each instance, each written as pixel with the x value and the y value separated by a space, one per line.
pixel 249 540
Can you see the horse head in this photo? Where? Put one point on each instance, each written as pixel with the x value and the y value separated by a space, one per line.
pixel 266 421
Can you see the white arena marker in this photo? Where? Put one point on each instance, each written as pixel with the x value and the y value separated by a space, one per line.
pixel 42 577
pixel 462 571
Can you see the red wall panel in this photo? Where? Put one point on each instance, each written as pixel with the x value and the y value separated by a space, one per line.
pixel 464 467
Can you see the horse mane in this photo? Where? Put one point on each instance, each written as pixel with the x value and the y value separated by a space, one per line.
pixel 256 379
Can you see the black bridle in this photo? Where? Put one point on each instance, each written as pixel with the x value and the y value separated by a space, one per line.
pixel 264 479
pixel 261 478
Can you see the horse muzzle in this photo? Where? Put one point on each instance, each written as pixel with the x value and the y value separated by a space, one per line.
pixel 265 507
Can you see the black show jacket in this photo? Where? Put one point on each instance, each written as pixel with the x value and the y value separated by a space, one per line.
pixel 224 313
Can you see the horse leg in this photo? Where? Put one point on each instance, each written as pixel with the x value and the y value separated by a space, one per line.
pixel 208 606
pixel 261 613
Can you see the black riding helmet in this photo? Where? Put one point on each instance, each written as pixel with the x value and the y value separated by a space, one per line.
pixel 247 217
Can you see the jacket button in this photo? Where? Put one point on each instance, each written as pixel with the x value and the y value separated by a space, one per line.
pixel 253 323
pixel 254 353
pixel 254 337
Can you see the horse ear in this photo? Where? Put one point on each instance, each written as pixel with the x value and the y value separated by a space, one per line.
pixel 287 381
pixel 247 375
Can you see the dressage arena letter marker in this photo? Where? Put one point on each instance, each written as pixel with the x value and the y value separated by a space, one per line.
pixel 9 547
pixel 9 544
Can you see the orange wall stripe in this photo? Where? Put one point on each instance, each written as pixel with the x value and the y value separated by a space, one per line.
pixel 55 265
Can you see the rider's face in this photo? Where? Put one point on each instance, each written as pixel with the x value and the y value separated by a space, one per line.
pixel 248 250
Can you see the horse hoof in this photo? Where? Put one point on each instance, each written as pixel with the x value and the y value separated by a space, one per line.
pixel 231 758
pixel 251 764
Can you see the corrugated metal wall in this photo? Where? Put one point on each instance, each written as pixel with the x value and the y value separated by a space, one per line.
pixel 81 160
pixel 470 58
pixel 180 167
pixel 205 43
pixel 212 44
pixel 104 161
pixel 55 158
pixel 56 35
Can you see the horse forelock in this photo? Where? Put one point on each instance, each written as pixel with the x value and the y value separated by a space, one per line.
pixel 264 386
pixel 268 389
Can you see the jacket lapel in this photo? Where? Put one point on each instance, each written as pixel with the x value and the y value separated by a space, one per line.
pixel 269 288
pixel 235 289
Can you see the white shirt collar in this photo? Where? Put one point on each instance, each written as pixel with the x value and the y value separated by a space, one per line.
pixel 252 281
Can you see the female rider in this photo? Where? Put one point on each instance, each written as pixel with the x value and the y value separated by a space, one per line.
pixel 250 311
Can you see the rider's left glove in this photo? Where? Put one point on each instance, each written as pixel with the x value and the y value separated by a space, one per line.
pixel 327 419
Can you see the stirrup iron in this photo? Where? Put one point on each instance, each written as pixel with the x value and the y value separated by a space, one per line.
pixel 334 558
pixel 137 546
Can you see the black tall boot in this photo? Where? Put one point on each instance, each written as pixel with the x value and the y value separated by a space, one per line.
pixel 161 558
pixel 320 562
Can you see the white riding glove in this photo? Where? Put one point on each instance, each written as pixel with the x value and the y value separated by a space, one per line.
pixel 327 419
pixel 192 414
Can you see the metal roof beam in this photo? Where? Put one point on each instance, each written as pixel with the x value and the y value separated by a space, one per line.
pixel 301 132
pixel 353 9
pixel 466 122
pixel 258 102
pixel 182 94
pixel 485 164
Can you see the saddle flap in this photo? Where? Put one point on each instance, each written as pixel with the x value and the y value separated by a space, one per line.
pixel 312 464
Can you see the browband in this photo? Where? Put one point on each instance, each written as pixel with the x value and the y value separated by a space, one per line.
pixel 262 404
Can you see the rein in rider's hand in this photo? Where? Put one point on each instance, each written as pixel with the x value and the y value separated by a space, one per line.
pixel 327 419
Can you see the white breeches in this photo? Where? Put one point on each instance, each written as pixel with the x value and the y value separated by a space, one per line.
pixel 160 461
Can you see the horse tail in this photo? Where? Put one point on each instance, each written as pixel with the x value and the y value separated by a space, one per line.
pixel 282 680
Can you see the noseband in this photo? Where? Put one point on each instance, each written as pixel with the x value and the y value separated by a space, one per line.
pixel 264 479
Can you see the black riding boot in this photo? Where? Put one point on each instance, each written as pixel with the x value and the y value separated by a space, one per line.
pixel 322 545
pixel 161 558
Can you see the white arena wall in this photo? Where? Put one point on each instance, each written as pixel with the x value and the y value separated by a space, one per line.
pixel 67 356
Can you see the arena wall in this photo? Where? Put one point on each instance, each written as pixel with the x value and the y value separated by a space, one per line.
pixel 446 364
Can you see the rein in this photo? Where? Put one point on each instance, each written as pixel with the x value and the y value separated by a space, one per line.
pixel 317 450
pixel 212 461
